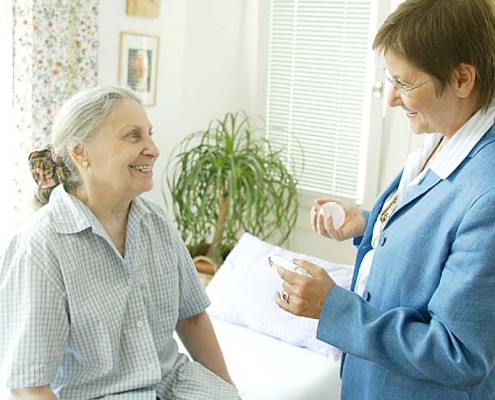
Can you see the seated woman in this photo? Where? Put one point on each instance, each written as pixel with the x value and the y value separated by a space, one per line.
pixel 94 288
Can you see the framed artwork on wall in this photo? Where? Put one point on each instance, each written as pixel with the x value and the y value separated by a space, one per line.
pixel 144 8
pixel 138 64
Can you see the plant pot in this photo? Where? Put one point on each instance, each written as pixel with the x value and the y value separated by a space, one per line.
pixel 206 268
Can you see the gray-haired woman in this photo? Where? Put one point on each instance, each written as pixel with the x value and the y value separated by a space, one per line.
pixel 94 288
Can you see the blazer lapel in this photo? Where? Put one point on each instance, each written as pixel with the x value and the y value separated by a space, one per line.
pixel 429 181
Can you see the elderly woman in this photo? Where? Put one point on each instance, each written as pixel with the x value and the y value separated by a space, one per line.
pixel 420 321
pixel 94 288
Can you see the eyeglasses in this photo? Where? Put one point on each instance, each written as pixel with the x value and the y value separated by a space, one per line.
pixel 403 87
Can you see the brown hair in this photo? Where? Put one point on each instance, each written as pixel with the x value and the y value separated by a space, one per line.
pixel 437 36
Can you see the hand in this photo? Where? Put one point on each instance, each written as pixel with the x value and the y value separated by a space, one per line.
pixel 305 294
pixel 354 222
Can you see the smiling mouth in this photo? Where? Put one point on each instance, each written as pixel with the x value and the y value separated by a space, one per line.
pixel 142 168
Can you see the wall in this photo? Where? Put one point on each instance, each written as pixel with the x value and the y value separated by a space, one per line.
pixel 213 60
pixel 206 64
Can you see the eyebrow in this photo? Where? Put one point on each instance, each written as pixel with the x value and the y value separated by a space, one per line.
pixel 127 127
pixel 398 79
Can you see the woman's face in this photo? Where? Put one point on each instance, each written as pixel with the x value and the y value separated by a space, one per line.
pixel 427 113
pixel 121 154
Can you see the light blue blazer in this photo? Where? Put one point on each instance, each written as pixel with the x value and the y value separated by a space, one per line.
pixel 425 326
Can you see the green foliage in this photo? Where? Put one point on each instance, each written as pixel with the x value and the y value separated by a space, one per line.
pixel 227 180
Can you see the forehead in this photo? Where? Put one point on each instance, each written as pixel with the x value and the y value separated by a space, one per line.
pixel 401 66
pixel 127 112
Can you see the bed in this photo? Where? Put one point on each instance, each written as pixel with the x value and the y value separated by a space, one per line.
pixel 270 354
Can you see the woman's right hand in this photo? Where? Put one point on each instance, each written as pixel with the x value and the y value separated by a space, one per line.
pixel 354 222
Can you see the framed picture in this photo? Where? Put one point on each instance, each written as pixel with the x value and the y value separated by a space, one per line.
pixel 144 8
pixel 138 64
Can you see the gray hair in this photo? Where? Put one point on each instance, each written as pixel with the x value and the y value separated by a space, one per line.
pixel 77 120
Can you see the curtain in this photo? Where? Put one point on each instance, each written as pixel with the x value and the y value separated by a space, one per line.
pixel 55 54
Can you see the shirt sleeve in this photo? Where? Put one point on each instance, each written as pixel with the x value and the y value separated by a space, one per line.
pixel 34 324
pixel 193 298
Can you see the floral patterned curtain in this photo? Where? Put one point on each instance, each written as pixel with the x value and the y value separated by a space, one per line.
pixel 55 44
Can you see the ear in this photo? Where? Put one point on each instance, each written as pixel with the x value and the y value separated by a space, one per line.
pixel 78 154
pixel 465 78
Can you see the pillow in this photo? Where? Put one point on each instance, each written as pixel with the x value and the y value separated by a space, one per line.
pixel 242 293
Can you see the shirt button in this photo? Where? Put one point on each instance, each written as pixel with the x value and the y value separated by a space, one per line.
pixel 382 240
pixel 140 324
pixel 130 281
pixel 366 295
pixel 151 367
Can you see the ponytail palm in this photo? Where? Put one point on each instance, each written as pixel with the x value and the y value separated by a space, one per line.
pixel 227 180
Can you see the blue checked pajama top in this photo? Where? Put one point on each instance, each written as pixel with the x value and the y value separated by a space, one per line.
pixel 77 316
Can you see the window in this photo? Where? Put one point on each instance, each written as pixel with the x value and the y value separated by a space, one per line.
pixel 320 93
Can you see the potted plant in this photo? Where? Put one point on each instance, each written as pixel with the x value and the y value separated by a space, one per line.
pixel 227 180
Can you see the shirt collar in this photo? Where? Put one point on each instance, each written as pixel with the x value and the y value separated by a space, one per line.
pixel 460 145
pixel 71 215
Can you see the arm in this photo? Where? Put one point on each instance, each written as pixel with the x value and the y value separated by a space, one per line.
pixel 198 336
pixel 34 393
pixel 448 338
pixel 37 320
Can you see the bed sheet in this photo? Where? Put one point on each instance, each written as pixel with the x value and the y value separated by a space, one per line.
pixel 264 368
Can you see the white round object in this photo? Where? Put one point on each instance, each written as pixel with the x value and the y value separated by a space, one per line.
pixel 334 210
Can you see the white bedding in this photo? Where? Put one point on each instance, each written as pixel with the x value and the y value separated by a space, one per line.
pixel 265 368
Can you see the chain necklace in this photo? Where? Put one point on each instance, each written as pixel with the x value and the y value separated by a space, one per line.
pixel 386 213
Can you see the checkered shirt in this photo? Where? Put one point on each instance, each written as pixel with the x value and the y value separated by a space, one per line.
pixel 76 315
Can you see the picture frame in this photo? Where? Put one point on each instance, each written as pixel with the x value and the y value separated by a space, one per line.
pixel 143 8
pixel 138 64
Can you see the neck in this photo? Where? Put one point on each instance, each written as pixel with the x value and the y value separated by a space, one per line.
pixel 435 152
pixel 111 214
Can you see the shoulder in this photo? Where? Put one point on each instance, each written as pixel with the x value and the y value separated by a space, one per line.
pixel 151 216
pixel 34 251
pixel 484 150
pixel 149 206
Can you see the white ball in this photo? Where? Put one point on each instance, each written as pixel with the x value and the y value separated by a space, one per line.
pixel 334 210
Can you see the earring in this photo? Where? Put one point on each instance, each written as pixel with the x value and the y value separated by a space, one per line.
pixel 85 164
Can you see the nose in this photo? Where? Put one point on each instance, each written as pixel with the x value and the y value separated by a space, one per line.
pixel 394 98
pixel 151 148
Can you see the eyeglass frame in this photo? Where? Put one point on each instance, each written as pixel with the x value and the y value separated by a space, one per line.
pixel 403 88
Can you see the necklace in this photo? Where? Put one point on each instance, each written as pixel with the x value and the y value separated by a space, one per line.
pixel 386 213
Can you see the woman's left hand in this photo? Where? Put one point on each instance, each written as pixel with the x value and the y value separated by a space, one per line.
pixel 304 295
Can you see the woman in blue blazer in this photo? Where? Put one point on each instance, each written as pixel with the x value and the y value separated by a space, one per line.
pixel 419 321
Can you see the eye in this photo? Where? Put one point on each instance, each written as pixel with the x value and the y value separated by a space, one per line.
pixel 402 85
pixel 134 134
pixel 151 132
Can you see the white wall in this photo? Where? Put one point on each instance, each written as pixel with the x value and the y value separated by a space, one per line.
pixel 206 64
pixel 212 61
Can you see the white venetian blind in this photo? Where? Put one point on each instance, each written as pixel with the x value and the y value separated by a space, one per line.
pixel 316 91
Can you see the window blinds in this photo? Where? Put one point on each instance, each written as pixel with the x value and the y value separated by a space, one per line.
pixel 316 97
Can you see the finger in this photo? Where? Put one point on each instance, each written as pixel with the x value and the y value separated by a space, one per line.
pixel 331 231
pixel 321 226
pixel 319 202
pixel 328 224
pixel 288 277
pixel 281 302
pixel 313 217
pixel 313 269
